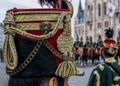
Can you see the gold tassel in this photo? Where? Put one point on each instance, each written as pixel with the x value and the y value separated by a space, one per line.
pixel 66 69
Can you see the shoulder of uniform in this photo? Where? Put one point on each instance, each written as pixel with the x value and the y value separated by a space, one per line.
pixel 100 67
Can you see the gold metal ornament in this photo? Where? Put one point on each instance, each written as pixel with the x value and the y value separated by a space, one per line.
pixel 45 27
pixel 64 45
pixel 64 41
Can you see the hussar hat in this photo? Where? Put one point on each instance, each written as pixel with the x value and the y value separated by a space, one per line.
pixel 38 42
pixel 109 44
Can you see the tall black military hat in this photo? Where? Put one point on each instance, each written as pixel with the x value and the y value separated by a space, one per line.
pixel 38 42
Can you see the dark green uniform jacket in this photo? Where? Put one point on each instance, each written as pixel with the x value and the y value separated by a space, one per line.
pixel 105 75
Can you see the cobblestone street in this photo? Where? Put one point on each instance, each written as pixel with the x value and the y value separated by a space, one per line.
pixel 73 81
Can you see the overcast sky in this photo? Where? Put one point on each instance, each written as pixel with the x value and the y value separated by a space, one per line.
pixel 8 4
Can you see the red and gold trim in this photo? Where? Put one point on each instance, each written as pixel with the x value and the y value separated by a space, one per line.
pixel 110 43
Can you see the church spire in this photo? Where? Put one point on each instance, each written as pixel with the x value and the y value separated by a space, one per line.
pixel 80 13
pixel 80 6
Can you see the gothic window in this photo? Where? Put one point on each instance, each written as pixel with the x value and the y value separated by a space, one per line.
pixel 119 19
pixel 82 31
pixel 104 8
pixel 90 26
pixel 75 31
pixel 99 10
pixel 99 25
pixel 106 23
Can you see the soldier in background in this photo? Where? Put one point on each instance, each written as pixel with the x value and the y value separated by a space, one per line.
pixel 77 42
pixel 108 73
pixel 78 49
pixel 96 54
pixel 91 52
pixel 81 42
pixel 99 48
pixel 85 52
pixel 81 51
pixel 76 46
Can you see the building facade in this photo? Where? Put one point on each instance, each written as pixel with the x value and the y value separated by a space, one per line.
pixel 95 20
pixel 1 36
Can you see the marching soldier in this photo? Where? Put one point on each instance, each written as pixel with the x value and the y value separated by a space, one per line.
pixel 87 43
pixel 38 47
pixel 99 44
pixel 81 50
pixel 81 42
pixel 77 42
pixel 91 42
pixel 96 54
pixel 99 48
pixel 91 51
pixel 107 74
pixel 76 48
pixel 86 48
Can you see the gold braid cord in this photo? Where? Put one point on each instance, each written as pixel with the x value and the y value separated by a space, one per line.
pixel 10 53
pixel 41 37
pixel 56 53
pixel 9 49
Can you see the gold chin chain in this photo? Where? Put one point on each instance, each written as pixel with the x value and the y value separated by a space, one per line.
pixel 55 52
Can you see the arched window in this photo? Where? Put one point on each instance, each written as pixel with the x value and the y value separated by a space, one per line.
pixel 106 23
pixel 119 19
pixel 104 8
pixel 99 25
pixel 99 10
pixel 79 31
pixel 90 26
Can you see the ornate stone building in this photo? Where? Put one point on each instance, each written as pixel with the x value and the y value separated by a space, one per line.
pixel 95 20
pixel 1 35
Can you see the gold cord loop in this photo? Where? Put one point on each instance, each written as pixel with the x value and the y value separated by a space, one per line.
pixel 41 37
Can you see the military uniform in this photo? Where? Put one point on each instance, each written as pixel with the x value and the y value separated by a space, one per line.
pixel 108 73
pixel 99 45
pixel 105 75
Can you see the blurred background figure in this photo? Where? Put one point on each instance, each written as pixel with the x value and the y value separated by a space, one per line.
pixel 107 74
